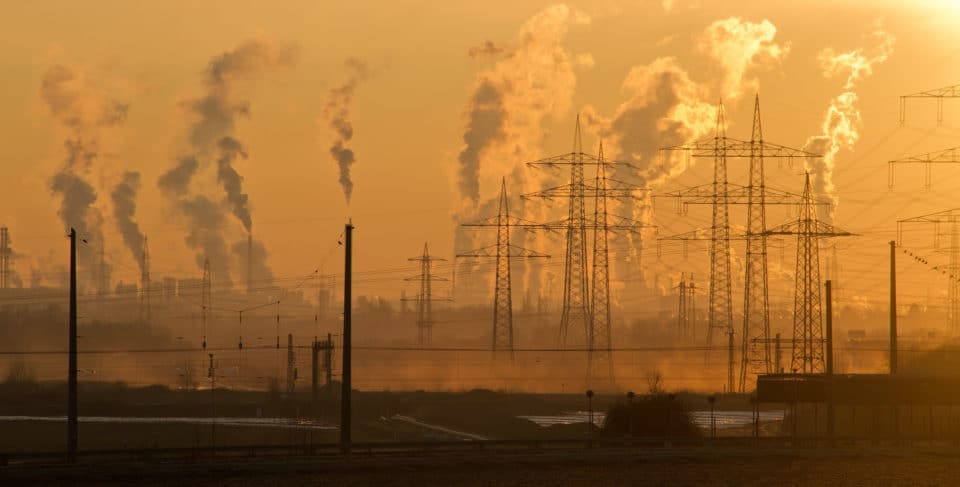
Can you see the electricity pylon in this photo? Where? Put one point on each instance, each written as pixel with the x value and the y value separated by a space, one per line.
pixel 943 156
pixel 503 336
pixel 808 342
pixel 579 303
pixel 938 94
pixel 425 297
pixel 952 270
pixel 755 335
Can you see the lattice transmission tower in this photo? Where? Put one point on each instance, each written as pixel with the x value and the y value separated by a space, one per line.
pixel 755 337
pixel 503 336
pixel 951 218
pixel 938 94
pixel 943 156
pixel 424 297
pixel 583 307
pixel 808 342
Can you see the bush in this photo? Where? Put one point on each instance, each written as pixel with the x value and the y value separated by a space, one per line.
pixel 657 415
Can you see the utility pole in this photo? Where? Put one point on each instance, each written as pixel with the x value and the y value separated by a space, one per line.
pixel 72 434
pixel 830 385
pixel 345 391
pixel 425 297
pixel 808 342
pixel 291 366
pixel 325 346
pixel 893 307
pixel 503 335
pixel 5 258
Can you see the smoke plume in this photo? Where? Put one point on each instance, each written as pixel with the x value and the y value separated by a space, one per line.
pixel 259 271
pixel 212 139
pixel 124 197
pixel 509 102
pixel 841 123
pixel 231 181
pixel 337 111
pixel 740 46
pixel 664 107
pixel 504 122
pixel 84 110
pixel 176 181
pixel 485 126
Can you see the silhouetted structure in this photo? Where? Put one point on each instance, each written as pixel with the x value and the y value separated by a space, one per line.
pixel 808 341
pixel 937 94
pixel 425 298
pixel 503 334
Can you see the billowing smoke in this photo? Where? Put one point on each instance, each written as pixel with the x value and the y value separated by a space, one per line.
pixel 84 110
pixel 740 46
pixel 212 135
pixel 504 117
pixel 205 225
pixel 231 181
pixel 259 272
pixel 124 197
pixel 841 123
pixel 485 126
pixel 337 111
pixel 176 181
pixel 664 106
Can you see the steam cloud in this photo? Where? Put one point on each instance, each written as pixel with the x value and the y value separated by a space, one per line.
pixel 84 110
pixel 740 46
pixel 841 123
pixel 337 111
pixel 232 182
pixel 212 135
pixel 124 197
pixel 664 106
pixel 504 115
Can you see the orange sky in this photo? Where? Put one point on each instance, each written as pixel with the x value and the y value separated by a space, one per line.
pixel 409 116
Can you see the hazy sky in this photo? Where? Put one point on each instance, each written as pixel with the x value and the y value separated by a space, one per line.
pixel 410 111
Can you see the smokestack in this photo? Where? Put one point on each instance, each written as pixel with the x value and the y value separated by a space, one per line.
pixel 249 263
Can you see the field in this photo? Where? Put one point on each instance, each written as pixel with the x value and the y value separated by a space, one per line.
pixel 719 467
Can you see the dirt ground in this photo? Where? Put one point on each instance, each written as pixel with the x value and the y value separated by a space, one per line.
pixel 680 467
pixel 874 471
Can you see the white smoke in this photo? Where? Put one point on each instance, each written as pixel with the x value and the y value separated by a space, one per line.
pixel 841 124
pixel 739 47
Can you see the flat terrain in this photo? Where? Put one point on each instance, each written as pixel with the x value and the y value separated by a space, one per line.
pixel 711 467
